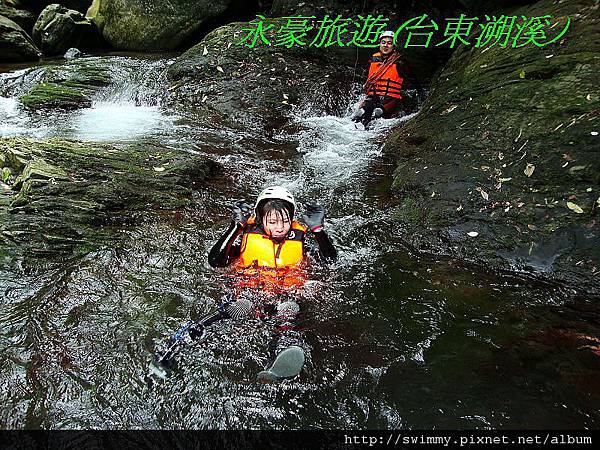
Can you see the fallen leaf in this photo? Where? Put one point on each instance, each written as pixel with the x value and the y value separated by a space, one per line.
pixel 473 233
pixel 575 208
pixel 484 195
pixel 285 96
pixel 531 226
pixel 205 52
pixel 529 169
pixel 220 69
pixel 450 109
pixel 159 169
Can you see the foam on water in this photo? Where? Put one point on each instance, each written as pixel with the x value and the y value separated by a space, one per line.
pixel 106 121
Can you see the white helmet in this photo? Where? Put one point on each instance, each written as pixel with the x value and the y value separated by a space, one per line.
pixel 388 33
pixel 275 192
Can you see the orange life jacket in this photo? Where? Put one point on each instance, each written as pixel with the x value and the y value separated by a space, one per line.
pixel 258 250
pixel 387 83
pixel 269 266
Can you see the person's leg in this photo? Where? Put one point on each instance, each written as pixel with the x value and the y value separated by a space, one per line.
pixel 369 107
pixel 390 107
pixel 286 348
pixel 365 110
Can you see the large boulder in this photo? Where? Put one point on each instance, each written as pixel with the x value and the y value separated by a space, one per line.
pixel 15 43
pixel 25 19
pixel 262 85
pixel 62 197
pixel 152 25
pixel 502 164
pixel 57 29
pixel 38 5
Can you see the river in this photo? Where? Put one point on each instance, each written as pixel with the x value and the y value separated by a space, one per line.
pixel 397 339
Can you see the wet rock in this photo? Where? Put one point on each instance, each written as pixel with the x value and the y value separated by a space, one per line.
pixel 504 141
pixel 56 96
pixel 58 29
pixel 144 25
pixel 15 43
pixel 25 19
pixel 67 197
pixel 67 87
pixel 258 86
pixel 311 8
pixel 73 53
pixel 38 5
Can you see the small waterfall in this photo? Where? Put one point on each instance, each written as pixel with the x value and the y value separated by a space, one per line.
pixel 129 108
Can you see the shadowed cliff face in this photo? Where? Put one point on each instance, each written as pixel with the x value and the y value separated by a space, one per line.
pixel 507 146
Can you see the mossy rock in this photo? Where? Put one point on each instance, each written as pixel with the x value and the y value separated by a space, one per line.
pixel 15 43
pixel 25 19
pixel 57 29
pixel 65 196
pixel 261 85
pixel 67 87
pixel 504 141
pixel 142 25
pixel 53 95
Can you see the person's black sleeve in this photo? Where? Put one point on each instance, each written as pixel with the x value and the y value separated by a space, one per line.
pixel 326 251
pixel 227 248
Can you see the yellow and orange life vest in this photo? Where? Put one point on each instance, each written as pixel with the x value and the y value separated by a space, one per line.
pixel 386 83
pixel 258 250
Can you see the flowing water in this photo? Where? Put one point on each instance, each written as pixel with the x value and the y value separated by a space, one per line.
pixel 395 339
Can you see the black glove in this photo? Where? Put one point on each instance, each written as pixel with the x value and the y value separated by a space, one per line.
pixel 314 217
pixel 241 211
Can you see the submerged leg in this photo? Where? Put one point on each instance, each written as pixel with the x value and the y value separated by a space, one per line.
pixel 286 345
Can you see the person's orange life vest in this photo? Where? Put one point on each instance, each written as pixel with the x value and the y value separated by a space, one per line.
pixel 258 250
pixel 271 267
pixel 387 83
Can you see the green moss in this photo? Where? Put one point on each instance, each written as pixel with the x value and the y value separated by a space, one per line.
pixel 67 87
pixel 52 95
pixel 67 192
pixel 482 122
pixel 410 211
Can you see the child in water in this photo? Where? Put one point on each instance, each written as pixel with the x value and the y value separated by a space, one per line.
pixel 269 247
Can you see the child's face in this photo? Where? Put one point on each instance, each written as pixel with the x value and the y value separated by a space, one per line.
pixel 277 224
